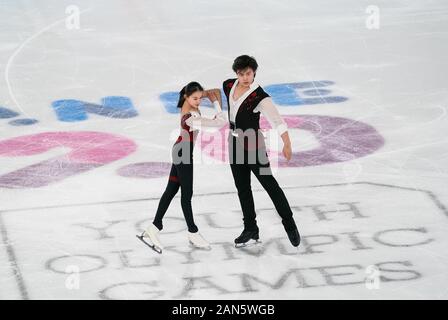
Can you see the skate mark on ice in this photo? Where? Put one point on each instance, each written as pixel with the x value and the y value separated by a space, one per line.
pixel 13 260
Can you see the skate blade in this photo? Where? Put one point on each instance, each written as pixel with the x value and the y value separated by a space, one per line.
pixel 152 246
pixel 250 243
pixel 208 248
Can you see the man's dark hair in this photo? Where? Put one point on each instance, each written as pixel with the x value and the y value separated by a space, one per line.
pixel 243 62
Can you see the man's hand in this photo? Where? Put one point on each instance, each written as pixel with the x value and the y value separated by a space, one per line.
pixel 287 151
pixel 212 96
pixel 209 94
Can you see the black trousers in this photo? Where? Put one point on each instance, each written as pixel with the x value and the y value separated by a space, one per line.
pixel 261 169
pixel 181 176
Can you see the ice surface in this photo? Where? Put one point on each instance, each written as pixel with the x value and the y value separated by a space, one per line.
pixel 367 111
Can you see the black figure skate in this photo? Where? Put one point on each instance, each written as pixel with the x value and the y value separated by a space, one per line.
pixel 247 238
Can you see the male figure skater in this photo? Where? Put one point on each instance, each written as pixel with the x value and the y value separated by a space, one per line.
pixel 247 151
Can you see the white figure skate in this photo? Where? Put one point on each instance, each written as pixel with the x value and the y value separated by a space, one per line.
pixel 198 241
pixel 152 235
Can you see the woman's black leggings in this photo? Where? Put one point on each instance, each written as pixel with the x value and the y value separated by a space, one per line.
pixel 181 176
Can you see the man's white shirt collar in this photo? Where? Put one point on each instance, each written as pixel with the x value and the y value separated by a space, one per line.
pixel 236 104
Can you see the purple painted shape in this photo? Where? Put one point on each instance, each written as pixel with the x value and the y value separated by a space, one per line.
pixel 145 170
pixel 89 150
pixel 340 139
pixel 43 173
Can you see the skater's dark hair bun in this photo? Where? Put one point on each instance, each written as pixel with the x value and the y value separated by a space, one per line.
pixel 188 90
pixel 243 62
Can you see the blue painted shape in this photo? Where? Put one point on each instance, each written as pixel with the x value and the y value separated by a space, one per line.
pixel 69 110
pixel 111 106
pixel 122 104
pixel 292 94
pixel 6 113
pixel 283 94
pixel 321 100
pixel 316 92
pixel 170 99
pixel 22 122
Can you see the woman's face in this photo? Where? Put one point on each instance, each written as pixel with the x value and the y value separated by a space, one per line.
pixel 245 76
pixel 194 100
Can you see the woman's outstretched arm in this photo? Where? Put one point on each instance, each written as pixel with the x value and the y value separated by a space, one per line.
pixel 198 122
pixel 210 93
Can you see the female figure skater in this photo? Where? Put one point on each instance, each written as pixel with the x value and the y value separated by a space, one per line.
pixel 181 174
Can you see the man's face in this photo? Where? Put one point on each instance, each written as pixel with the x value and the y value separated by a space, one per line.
pixel 246 76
